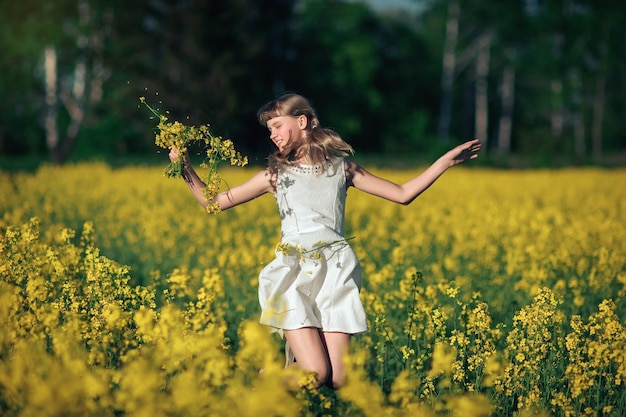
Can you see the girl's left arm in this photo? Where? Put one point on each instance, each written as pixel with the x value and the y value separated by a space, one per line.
pixel 256 186
pixel 410 190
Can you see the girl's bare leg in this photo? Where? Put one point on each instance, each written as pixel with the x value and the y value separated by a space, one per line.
pixel 321 353
pixel 309 349
pixel 337 345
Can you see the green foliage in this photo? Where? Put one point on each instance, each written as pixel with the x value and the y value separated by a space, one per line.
pixel 374 77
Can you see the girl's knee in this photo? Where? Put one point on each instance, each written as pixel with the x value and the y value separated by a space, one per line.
pixel 325 376
pixel 328 377
pixel 322 375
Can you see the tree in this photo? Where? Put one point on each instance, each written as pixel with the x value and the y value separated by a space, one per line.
pixel 209 62
pixel 605 59
pixel 58 47
pixel 367 74
pixel 335 67
pixel 448 69
pixel 578 48
pixel 22 28
pixel 83 87
pixel 507 104
pixel 473 52
pixel 536 77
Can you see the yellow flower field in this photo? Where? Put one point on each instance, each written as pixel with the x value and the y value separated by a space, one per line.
pixel 496 292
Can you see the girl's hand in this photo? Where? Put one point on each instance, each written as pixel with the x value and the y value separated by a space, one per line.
pixel 174 156
pixel 463 152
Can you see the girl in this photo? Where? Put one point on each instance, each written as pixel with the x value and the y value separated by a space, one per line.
pixel 310 291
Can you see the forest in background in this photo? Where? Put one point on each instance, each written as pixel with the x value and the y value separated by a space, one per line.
pixel 537 79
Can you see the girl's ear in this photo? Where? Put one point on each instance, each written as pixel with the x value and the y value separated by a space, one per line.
pixel 302 121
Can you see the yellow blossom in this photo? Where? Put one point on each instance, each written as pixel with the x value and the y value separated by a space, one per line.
pixel 177 135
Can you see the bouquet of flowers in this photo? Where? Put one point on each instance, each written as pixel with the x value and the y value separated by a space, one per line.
pixel 175 134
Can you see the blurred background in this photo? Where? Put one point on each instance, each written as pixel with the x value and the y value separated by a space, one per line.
pixel 540 82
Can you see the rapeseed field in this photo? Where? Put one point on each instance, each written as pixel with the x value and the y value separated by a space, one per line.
pixel 495 293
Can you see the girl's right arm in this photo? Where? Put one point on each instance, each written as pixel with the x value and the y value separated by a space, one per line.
pixel 410 190
pixel 249 190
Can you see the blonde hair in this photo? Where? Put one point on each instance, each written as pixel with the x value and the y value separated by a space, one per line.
pixel 318 143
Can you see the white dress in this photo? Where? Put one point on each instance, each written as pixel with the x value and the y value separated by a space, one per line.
pixel 315 279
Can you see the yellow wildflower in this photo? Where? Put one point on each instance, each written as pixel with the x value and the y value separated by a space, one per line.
pixel 177 135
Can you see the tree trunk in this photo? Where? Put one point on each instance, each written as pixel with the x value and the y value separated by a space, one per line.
pixel 507 94
pixel 557 118
pixel 577 121
pixel 75 105
pixel 50 123
pixel 599 99
pixel 448 69
pixel 481 93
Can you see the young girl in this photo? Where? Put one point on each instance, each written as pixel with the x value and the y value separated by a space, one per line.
pixel 310 291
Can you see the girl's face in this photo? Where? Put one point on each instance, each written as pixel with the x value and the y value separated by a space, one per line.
pixel 285 130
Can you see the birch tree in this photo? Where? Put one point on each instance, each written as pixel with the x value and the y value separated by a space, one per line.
pixel 507 100
pixel 481 99
pixel 448 69
pixel 79 89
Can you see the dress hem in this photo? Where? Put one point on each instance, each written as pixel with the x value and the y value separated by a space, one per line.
pixel 274 329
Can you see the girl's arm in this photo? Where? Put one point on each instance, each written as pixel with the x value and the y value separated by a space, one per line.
pixel 410 190
pixel 254 187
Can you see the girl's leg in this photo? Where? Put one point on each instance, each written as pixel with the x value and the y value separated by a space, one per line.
pixel 337 345
pixel 308 347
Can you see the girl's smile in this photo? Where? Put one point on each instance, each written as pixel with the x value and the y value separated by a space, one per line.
pixel 286 130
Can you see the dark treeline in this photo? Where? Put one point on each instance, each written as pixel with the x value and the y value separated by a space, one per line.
pixel 536 78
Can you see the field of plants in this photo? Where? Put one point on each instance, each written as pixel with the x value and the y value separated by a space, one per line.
pixel 495 293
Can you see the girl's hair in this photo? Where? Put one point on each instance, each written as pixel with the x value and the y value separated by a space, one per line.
pixel 318 143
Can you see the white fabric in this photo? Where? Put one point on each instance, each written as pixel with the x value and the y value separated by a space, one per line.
pixel 315 279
